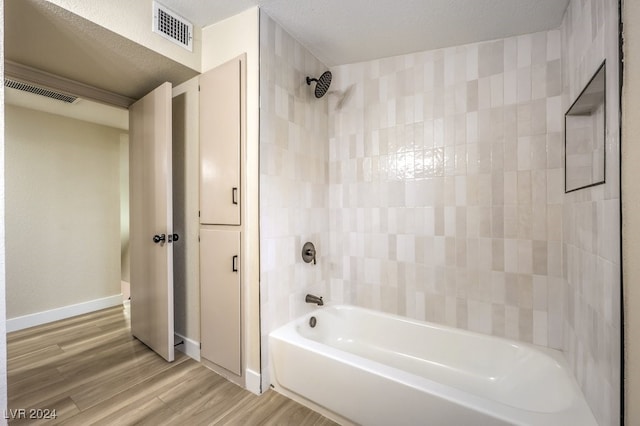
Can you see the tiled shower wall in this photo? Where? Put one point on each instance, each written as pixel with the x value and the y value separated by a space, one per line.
pixel 591 240
pixel 446 186
pixel 294 178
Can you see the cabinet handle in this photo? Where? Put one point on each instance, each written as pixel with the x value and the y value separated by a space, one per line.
pixel 234 195
pixel 234 263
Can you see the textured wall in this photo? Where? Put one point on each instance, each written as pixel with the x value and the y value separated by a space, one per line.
pixel 63 211
pixel 293 180
pixel 591 238
pixel 446 186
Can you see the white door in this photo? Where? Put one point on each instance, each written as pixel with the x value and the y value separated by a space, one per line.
pixel 151 221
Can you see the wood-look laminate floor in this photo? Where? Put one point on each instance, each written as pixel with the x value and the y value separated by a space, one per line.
pixel 90 370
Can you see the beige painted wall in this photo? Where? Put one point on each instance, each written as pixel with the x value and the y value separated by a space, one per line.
pixel 221 42
pixel 630 145
pixel 63 211
pixel 135 24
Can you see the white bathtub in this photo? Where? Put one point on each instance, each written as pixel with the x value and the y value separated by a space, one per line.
pixel 366 367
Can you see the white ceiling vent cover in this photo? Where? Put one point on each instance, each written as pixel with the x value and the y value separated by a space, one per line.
pixel 42 91
pixel 173 27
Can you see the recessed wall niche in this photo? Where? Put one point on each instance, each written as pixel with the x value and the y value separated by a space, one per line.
pixel 584 141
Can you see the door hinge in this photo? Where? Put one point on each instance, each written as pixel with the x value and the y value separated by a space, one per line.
pixel 198 213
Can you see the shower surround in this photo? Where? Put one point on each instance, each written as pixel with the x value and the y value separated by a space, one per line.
pixel 432 185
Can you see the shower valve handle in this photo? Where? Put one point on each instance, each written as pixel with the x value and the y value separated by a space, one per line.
pixel 312 254
pixel 309 253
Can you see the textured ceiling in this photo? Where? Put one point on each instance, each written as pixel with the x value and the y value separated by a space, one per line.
pixel 46 37
pixel 346 31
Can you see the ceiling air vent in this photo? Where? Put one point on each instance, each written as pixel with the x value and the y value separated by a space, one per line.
pixel 26 87
pixel 172 26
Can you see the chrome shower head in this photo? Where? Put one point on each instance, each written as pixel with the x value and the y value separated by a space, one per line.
pixel 322 83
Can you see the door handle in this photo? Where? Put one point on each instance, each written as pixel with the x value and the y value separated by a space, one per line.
pixel 172 238
pixel 159 238
pixel 234 195
pixel 234 263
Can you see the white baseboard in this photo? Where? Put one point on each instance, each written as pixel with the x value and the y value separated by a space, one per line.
pixel 252 381
pixel 44 317
pixel 190 347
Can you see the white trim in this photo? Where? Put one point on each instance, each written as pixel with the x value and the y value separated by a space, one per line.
pixel 190 347
pixel 252 381
pixel 44 317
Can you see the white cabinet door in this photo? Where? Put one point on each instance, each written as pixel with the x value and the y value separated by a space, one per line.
pixel 151 216
pixel 220 298
pixel 220 137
